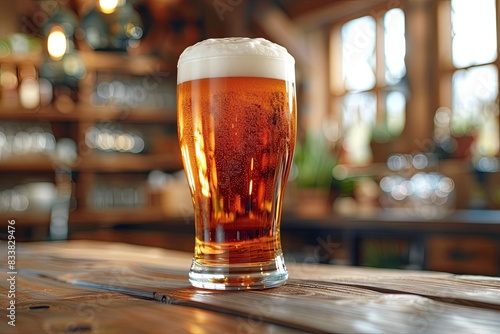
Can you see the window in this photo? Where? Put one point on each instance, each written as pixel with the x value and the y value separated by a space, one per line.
pixel 369 99
pixel 469 72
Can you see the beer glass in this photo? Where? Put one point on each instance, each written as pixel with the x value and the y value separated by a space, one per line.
pixel 236 114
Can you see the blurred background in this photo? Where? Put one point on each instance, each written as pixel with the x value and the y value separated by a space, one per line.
pixel 397 161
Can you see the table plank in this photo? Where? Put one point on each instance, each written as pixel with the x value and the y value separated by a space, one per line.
pixel 317 298
pixel 47 305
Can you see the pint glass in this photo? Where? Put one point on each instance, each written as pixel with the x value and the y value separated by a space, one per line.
pixel 237 129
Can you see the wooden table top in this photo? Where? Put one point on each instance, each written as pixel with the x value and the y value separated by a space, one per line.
pixel 96 287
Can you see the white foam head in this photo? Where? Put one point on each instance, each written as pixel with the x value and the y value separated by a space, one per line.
pixel 235 57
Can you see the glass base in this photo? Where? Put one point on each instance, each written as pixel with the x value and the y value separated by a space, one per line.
pixel 231 277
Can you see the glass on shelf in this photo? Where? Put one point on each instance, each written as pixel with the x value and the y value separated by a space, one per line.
pixel 112 138
pixel 415 187
pixel 119 90
pixel 115 191
pixel 21 139
pixel 29 197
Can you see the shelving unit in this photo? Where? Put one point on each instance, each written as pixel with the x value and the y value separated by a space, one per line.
pixel 92 165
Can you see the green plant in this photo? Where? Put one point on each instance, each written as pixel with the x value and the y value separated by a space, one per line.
pixel 314 161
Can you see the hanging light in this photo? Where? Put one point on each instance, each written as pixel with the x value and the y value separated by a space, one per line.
pixel 108 6
pixel 63 68
pixel 113 25
pixel 57 44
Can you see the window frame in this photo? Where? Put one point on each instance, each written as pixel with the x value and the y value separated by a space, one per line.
pixel 336 87
pixel 446 68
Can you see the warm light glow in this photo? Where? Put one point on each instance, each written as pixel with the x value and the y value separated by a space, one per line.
pixel 29 93
pixel 8 79
pixel 108 6
pixel 250 187
pixel 201 159
pixel 57 43
pixel 190 176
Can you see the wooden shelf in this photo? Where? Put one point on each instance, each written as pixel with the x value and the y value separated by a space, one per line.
pixel 88 114
pixel 26 219
pixel 114 216
pixel 458 221
pixel 96 218
pixel 96 162
pixel 28 163
pixel 21 58
pixel 104 61
pixel 71 120
pixel 39 114
pixel 127 162
pixel 139 115
pixel 124 63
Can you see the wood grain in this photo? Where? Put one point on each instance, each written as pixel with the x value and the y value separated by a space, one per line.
pixel 117 288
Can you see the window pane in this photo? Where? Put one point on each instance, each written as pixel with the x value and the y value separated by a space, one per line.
pixel 359 111
pixel 395 45
pixel 358 54
pixel 474 32
pixel 474 97
pixel 393 121
pixel 359 108
pixel 396 117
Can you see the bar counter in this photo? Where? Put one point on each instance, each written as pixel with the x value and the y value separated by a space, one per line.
pixel 101 287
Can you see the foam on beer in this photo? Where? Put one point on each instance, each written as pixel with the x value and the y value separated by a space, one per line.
pixel 235 57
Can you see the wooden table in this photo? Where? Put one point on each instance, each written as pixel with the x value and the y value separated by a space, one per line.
pixel 94 287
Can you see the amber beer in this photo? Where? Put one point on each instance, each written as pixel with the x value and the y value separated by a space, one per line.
pixel 237 127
